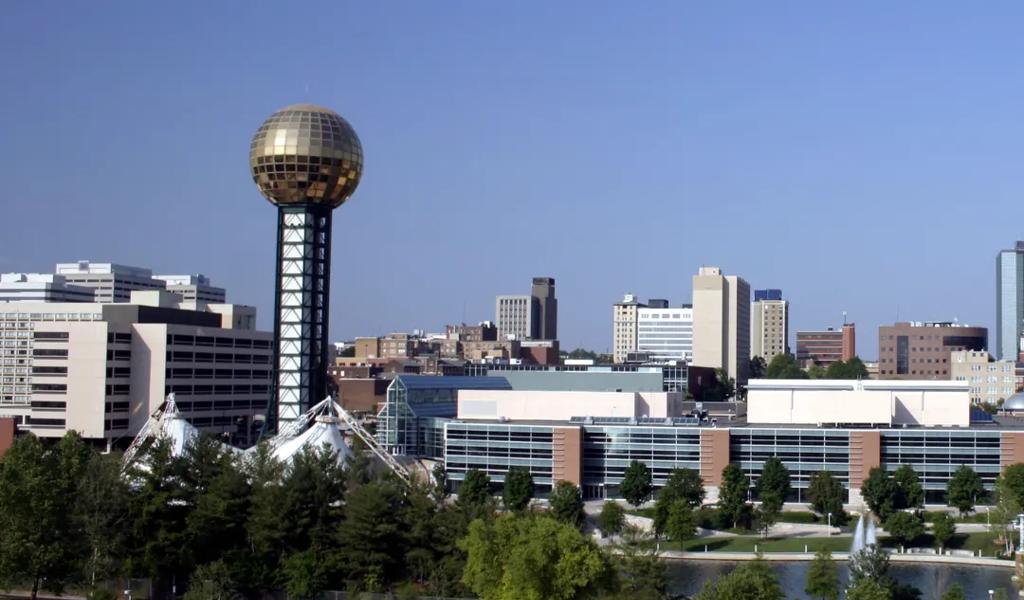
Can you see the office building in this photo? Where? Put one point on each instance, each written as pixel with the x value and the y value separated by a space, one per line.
pixel 624 326
pixel 990 380
pixel 1009 301
pixel 822 348
pixel 515 317
pixel 102 369
pixel 769 317
pixel 665 334
pixel 846 427
pixel 546 306
pixel 921 350
pixel 110 282
pixel 721 322
pixel 41 287
pixel 193 288
pixel 533 317
pixel 484 331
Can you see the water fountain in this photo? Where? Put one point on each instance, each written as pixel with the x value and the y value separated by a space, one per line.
pixel 858 543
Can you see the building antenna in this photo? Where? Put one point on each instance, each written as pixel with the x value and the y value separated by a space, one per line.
pixel 844 317
pixel 463 311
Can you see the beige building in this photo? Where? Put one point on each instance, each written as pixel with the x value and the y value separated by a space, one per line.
pixel 769 333
pixel 527 405
pixel 721 322
pixel 102 369
pixel 989 380
pixel 624 327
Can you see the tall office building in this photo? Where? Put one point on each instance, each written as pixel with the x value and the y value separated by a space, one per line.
pixel 665 334
pixel 41 287
pixel 102 369
pixel 1009 301
pixel 721 322
pixel 822 348
pixel 769 334
pixel 546 305
pixel 624 325
pixel 533 317
pixel 514 316
pixel 111 282
pixel 193 288
pixel 922 350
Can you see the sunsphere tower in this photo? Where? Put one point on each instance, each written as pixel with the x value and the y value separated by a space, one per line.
pixel 306 160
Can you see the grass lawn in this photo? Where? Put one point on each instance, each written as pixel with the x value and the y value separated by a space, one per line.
pixel 961 541
pixel 975 517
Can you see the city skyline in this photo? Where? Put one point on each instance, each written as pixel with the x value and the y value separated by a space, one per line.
pixel 776 110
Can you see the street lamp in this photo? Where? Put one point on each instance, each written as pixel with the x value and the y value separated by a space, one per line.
pixel 830 524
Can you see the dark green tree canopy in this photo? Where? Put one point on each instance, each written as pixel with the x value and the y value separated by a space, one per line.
pixel 827 495
pixel 784 366
pixel 612 518
pixel 879 491
pixel 636 486
pixel 822 579
pixel 904 527
pixel 909 492
pixel 851 369
pixel 753 580
pixel 964 488
pixel 774 479
pixel 567 503
pixel 682 484
pixel 518 490
pixel 732 495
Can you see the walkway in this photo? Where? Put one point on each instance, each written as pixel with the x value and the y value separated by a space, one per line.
pixel 841 556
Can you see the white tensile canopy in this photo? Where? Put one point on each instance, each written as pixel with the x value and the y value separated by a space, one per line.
pixel 325 430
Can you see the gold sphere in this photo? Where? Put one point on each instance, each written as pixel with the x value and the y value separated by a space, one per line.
pixel 306 154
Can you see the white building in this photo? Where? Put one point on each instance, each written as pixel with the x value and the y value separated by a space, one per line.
pixel 990 380
pixel 514 315
pixel 193 288
pixel 111 282
pixel 844 403
pixel 41 287
pixel 666 334
pixel 624 327
pixel 102 369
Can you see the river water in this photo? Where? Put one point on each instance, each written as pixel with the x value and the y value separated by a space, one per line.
pixel 688 576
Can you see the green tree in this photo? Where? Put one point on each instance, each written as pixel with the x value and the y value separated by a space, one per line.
pixel 212 581
pixel 904 527
pixel 38 536
pixel 307 573
pixel 682 484
pixel 1011 483
pixel 752 580
pixel 823 577
pixel 567 503
pixel 642 574
pixel 757 367
pixel 314 484
pixel 879 492
pixel 732 496
pixel 816 372
pixel 963 489
pixel 955 592
pixel 909 493
pixel 722 388
pixel 681 524
pixel 869 589
pixel 1000 594
pixel 851 369
pixel 371 536
pixel 475 493
pixel 612 518
pixel 827 494
pixel 636 483
pixel 870 563
pixel 266 530
pixel 1002 516
pixel 943 529
pixel 516 557
pixel 774 479
pixel 768 511
pixel 101 513
pixel 784 366
pixel 216 527
pixel 518 490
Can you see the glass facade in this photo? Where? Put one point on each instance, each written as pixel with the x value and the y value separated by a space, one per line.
pixel 608 450
pixel 803 451
pixel 495 447
pixel 1009 301
pixel 936 454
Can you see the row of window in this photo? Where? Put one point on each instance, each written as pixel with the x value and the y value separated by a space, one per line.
pixel 209 357
pixel 218 342
pixel 185 373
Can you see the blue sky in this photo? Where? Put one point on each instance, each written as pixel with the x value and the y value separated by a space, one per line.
pixel 862 158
